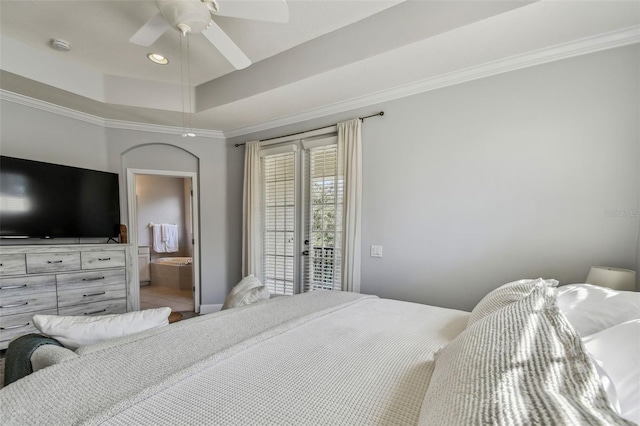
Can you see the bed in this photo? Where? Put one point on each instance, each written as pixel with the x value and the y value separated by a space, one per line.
pixel 341 358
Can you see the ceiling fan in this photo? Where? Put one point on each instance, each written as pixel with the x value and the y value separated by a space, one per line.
pixel 195 16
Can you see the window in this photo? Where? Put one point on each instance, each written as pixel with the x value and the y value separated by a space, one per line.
pixel 278 177
pixel 302 217
pixel 324 223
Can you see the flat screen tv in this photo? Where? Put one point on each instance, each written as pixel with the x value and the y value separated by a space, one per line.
pixel 44 200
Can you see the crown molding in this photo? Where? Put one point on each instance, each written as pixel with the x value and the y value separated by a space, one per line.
pixel 609 40
pixel 17 98
pixel 99 121
pixel 156 128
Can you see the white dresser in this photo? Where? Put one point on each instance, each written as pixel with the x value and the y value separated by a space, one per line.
pixel 78 279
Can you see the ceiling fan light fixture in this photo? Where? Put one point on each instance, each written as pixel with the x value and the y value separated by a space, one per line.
pixel 212 5
pixel 157 58
pixel 184 29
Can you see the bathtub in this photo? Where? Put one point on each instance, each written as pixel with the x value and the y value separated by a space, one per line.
pixel 172 272
pixel 175 261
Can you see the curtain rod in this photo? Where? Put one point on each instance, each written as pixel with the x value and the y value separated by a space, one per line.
pixel 381 113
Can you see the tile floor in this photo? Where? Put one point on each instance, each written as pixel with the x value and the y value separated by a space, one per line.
pixel 157 296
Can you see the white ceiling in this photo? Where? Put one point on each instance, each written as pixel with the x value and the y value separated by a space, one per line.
pixel 331 55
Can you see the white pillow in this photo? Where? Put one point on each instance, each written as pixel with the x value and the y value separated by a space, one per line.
pixel 607 383
pixel 76 331
pixel 248 290
pixel 590 308
pixel 617 349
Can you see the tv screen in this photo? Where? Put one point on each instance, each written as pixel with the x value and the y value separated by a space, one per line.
pixel 44 200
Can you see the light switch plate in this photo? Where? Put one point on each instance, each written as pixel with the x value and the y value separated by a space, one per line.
pixel 376 251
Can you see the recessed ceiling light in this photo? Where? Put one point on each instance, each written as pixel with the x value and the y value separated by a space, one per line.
pixel 60 45
pixel 157 58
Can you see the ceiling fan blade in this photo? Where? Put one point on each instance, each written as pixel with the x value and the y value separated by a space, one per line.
pixel 259 10
pixel 226 46
pixel 151 31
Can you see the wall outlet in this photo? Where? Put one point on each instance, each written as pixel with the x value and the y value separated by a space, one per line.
pixel 376 251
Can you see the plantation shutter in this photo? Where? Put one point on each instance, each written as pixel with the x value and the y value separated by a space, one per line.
pixel 279 207
pixel 324 194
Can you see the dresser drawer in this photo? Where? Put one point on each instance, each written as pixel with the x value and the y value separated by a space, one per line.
pixel 106 307
pixel 92 279
pixel 27 294
pixel 17 325
pixel 23 286
pixel 103 259
pixel 38 263
pixel 78 296
pixel 12 264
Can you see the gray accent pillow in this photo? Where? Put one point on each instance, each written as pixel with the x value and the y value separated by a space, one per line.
pixel 505 295
pixel 521 365
pixel 248 290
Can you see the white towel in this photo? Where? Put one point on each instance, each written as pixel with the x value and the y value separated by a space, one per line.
pixel 170 237
pixel 158 244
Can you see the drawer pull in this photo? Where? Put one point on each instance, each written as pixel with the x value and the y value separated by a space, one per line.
pixel 95 312
pixel 15 326
pixel 104 259
pixel 94 294
pixel 93 279
pixel 54 261
pixel 11 287
pixel 14 306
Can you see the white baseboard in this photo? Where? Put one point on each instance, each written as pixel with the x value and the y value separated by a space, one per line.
pixel 209 309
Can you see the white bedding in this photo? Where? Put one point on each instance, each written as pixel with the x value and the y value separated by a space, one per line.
pixel 332 358
pixel 321 358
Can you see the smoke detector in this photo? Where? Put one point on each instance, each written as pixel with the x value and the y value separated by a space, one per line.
pixel 60 45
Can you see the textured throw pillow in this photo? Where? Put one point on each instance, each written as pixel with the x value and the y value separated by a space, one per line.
pixel 76 331
pixel 522 365
pixel 591 308
pixel 248 290
pixel 505 295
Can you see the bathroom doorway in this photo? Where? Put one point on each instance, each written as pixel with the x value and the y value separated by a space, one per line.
pixel 163 229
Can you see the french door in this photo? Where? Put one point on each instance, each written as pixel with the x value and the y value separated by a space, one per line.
pixel 302 216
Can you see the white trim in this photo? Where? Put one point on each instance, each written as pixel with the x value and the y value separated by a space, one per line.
pixel 283 149
pixel 608 40
pixel 318 142
pixel 156 128
pixel 103 122
pixel 134 291
pixel 17 98
pixel 558 52
pixel 209 309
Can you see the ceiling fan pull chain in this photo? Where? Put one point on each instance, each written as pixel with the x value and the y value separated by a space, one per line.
pixel 184 122
pixel 190 134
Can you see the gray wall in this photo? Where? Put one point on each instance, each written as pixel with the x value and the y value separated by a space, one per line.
pixel 207 156
pixel 30 133
pixel 638 212
pixel 507 177
pixel 466 187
